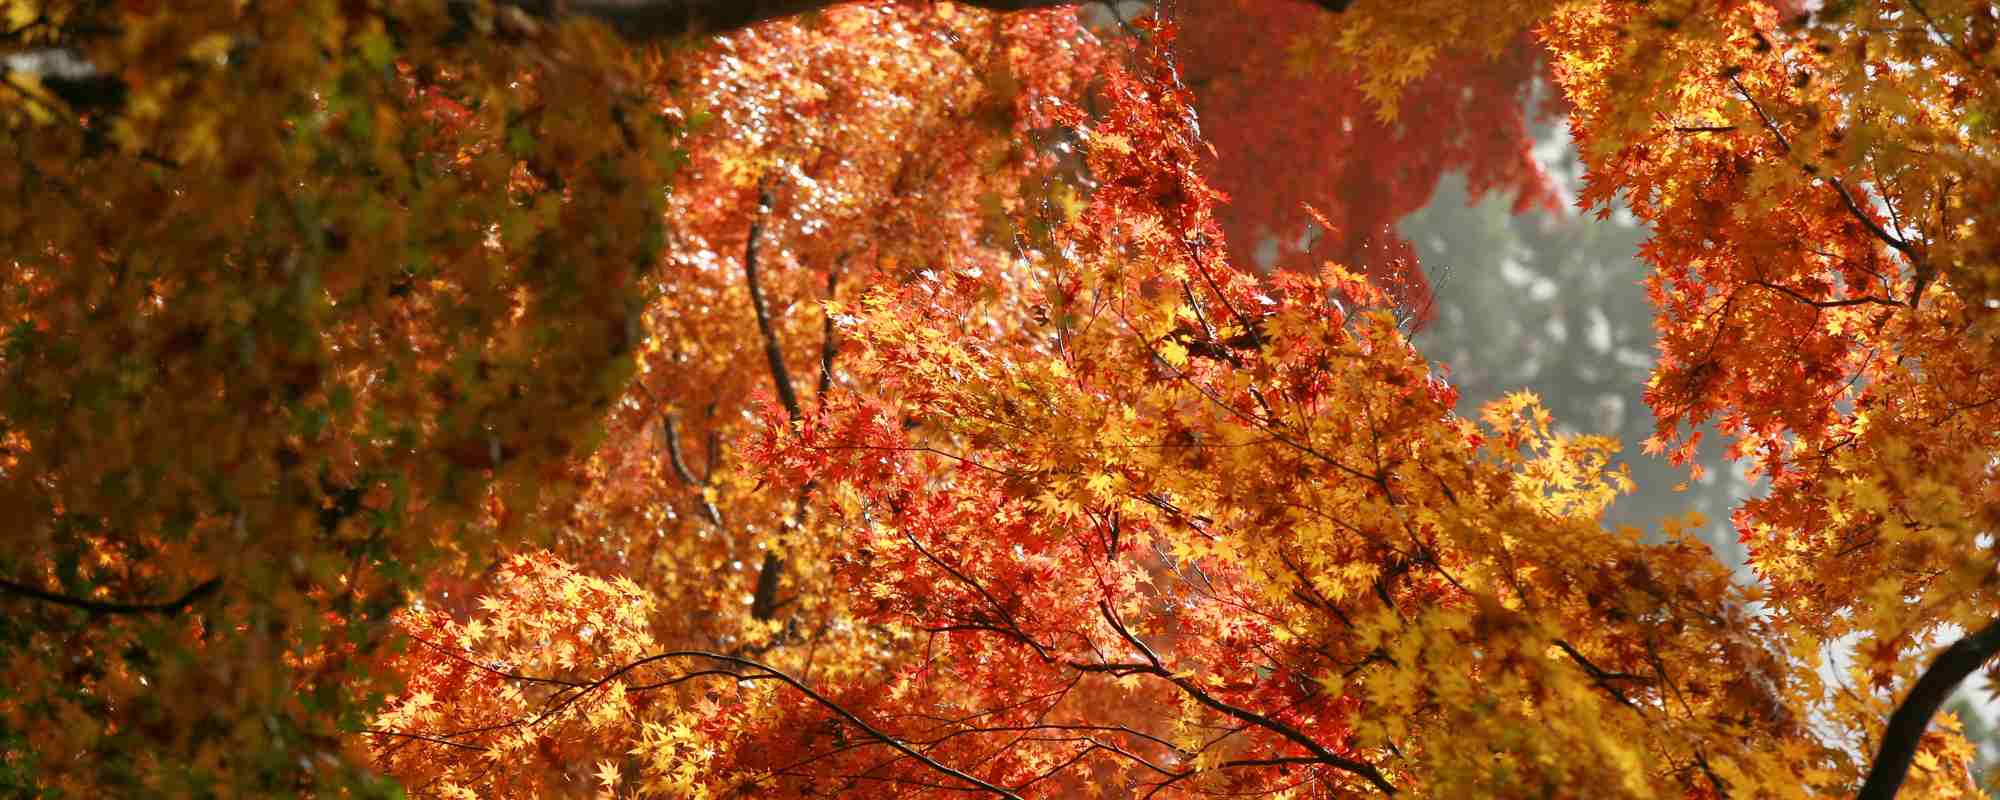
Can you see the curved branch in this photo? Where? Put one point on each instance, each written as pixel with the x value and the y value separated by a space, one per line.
pixel 100 608
pixel 1156 668
pixel 866 728
pixel 1913 716
pixel 766 672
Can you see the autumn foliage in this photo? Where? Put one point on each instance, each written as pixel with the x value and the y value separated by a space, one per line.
pixel 889 400
pixel 1303 135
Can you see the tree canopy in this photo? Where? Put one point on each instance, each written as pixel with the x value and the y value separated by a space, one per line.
pixel 691 398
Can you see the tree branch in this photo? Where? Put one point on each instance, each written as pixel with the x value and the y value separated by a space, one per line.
pixel 766 672
pixel 422 738
pixel 99 608
pixel 1842 303
pixel 1602 677
pixel 829 345
pixel 764 604
pixel 1922 268
pixel 1913 716
pixel 649 20
pixel 1155 667
pixel 64 72
pixel 673 437
pixel 774 354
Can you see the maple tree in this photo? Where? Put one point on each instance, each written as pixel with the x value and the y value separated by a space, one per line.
pixel 721 399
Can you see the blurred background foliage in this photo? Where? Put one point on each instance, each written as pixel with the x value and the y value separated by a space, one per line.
pixel 1551 303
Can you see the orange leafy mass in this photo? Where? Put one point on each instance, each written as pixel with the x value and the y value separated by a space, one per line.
pixel 1010 398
